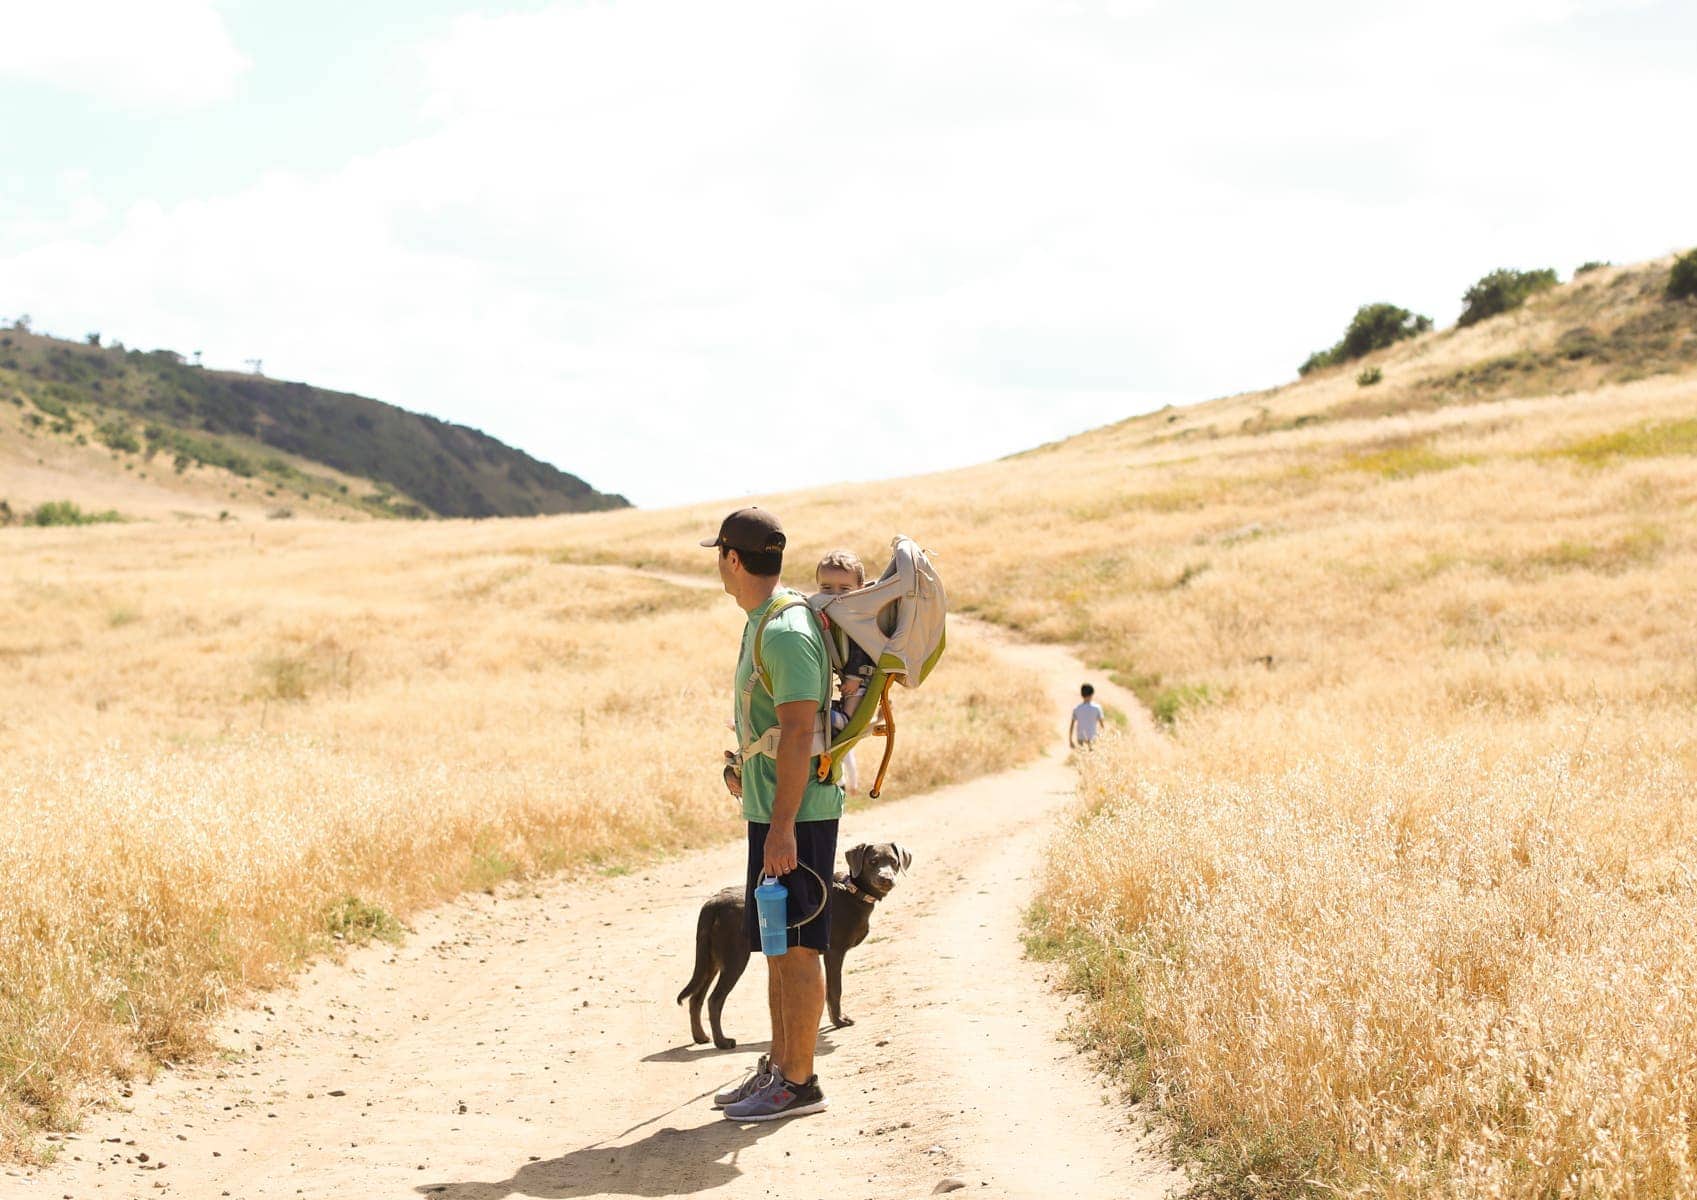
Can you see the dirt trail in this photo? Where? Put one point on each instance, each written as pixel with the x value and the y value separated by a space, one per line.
pixel 528 1044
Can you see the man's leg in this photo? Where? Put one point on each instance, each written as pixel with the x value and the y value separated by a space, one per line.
pixel 800 987
pixel 775 1002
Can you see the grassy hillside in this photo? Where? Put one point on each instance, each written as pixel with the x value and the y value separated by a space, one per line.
pixel 1412 908
pixel 288 440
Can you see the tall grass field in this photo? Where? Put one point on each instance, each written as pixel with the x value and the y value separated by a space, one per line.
pixel 231 748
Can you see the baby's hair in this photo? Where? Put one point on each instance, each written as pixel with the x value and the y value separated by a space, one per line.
pixel 843 560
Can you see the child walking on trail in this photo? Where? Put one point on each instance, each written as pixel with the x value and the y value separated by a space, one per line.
pixel 842 571
pixel 1086 720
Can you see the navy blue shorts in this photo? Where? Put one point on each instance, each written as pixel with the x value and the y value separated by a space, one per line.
pixel 816 847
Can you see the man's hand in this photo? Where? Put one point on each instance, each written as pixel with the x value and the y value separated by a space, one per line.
pixel 780 849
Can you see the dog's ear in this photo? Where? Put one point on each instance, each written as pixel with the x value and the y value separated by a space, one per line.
pixel 901 853
pixel 855 856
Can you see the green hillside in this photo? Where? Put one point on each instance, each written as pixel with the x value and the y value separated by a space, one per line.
pixel 156 405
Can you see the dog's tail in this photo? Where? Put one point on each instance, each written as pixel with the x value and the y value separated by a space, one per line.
pixel 704 970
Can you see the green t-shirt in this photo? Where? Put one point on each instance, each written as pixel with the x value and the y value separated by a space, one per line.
pixel 798 669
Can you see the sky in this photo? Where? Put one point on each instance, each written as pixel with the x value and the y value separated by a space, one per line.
pixel 690 250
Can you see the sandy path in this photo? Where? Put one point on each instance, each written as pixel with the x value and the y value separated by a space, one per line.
pixel 528 1044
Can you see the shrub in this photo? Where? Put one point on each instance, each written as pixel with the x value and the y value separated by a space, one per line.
pixel 1585 268
pixel 120 436
pixel 1501 291
pixel 52 407
pixel 65 512
pixel 1170 702
pixel 1373 327
pixel 1369 377
pixel 286 677
pixel 359 921
pixel 187 448
pixel 1682 280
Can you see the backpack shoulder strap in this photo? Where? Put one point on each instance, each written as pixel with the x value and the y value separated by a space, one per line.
pixel 781 604
pixel 767 743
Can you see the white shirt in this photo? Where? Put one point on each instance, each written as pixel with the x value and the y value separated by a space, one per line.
pixel 1089 718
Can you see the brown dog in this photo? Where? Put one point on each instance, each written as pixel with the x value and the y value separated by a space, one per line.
pixel 721 942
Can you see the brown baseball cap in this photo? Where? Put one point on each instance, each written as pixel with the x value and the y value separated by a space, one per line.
pixel 751 530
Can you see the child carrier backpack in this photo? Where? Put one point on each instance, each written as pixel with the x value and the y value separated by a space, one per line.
pixel 899 622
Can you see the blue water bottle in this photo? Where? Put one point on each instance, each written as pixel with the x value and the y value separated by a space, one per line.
pixel 772 908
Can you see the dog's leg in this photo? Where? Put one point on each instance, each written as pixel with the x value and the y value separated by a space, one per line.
pixel 834 988
pixel 697 1034
pixel 705 967
pixel 735 964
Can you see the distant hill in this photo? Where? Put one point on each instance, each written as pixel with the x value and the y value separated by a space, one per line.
pixel 181 418
pixel 1609 325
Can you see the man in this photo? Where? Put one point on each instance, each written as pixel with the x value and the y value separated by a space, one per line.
pixel 1086 720
pixel 792 816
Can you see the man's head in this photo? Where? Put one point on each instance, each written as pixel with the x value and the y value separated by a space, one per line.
pixel 1087 691
pixel 840 571
pixel 751 549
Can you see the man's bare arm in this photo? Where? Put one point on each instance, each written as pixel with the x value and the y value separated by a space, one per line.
pixel 796 722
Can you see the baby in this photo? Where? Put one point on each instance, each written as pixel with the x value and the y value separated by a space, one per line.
pixel 842 571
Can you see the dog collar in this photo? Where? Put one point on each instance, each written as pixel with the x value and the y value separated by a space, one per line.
pixel 862 893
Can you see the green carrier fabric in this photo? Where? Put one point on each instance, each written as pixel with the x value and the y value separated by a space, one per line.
pixel 900 622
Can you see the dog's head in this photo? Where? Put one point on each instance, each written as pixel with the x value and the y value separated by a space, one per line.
pixel 874 868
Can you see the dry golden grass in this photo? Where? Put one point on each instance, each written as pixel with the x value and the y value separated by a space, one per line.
pixel 228 748
pixel 1455 964
pixel 1410 910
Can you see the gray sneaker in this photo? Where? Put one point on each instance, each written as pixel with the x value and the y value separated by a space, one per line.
pixel 753 1083
pixel 779 1099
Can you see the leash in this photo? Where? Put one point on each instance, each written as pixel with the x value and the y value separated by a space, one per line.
pixel 824 898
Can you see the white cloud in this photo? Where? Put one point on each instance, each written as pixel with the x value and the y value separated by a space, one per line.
pixel 161 54
pixel 671 246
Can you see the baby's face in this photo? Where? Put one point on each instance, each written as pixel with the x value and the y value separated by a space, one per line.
pixel 834 580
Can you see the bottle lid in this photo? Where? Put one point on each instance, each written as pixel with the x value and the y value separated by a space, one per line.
pixel 767 880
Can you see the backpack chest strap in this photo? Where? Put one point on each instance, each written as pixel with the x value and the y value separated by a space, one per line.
pixel 767 743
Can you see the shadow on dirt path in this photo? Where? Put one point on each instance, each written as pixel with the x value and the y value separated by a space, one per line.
pixel 670 1161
